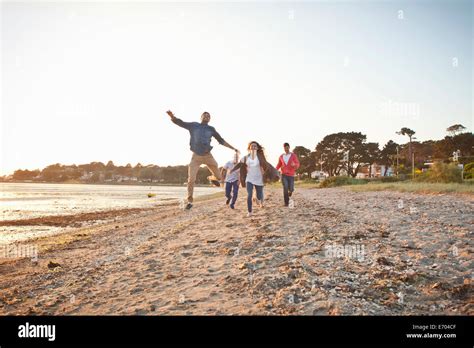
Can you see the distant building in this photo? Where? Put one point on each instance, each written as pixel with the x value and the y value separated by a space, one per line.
pixel 376 171
pixel 120 178
pixel 317 174
pixel 86 175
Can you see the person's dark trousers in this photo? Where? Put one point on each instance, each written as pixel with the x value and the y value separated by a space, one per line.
pixel 250 187
pixel 232 187
pixel 288 186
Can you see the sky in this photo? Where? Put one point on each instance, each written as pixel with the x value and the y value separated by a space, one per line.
pixel 91 81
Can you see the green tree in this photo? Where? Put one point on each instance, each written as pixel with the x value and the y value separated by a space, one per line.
pixel 464 142
pixel 128 170
pixel 388 155
pixel 409 133
pixel 95 178
pixel 455 129
pixel 52 173
pixel 307 161
pixel 149 173
pixel 110 166
pixel 335 147
pixel 25 174
pixel 136 170
pixel 469 171
pixel 97 166
pixel 371 155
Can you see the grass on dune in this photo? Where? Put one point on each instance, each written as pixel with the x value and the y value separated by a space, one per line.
pixel 403 186
pixel 298 183
pixel 363 185
pixel 419 187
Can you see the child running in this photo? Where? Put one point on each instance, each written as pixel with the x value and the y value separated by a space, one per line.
pixel 231 181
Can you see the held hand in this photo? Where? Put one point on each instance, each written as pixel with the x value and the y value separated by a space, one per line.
pixel 237 151
pixel 170 114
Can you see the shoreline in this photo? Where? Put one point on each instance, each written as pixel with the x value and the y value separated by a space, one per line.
pixel 102 183
pixel 213 260
pixel 73 220
pixel 69 223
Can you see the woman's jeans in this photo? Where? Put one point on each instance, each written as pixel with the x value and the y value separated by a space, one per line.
pixel 250 187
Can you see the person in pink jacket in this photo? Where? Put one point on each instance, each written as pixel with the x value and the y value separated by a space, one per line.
pixel 288 163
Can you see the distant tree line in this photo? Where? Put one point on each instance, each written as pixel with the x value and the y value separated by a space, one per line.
pixel 98 172
pixel 343 152
pixel 349 151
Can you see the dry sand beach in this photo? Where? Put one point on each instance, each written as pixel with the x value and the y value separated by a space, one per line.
pixel 336 253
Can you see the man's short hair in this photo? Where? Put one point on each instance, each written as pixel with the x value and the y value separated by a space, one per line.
pixel 286 144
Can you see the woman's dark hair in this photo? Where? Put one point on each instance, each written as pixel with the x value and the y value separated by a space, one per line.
pixel 259 147
pixel 260 154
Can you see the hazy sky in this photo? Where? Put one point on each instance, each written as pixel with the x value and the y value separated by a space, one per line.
pixel 91 81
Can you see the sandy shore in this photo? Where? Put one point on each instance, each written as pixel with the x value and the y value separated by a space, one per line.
pixel 73 220
pixel 336 253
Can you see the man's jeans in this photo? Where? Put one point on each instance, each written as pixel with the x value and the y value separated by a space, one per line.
pixel 250 187
pixel 288 186
pixel 193 168
pixel 232 187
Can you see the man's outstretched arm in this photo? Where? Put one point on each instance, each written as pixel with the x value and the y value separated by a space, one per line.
pixel 177 121
pixel 223 142
pixel 226 144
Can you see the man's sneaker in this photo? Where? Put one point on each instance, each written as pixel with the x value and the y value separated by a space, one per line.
pixel 216 183
pixel 249 214
pixel 227 201
pixel 232 206
pixel 188 206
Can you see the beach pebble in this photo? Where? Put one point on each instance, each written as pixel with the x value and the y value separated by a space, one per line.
pixel 410 245
pixel 53 265
pixel 136 290
pixel 384 261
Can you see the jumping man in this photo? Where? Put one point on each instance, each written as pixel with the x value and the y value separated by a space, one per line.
pixel 200 144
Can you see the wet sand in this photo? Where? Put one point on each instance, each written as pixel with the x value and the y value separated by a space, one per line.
pixel 72 220
pixel 336 253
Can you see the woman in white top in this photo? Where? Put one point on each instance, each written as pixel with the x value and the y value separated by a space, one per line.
pixel 255 170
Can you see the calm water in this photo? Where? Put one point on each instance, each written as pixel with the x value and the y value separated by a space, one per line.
pixel 24 201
